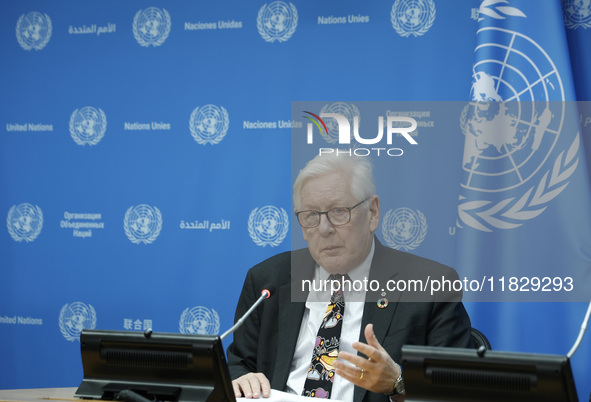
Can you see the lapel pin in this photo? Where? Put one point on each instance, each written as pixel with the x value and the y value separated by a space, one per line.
pixel 383 302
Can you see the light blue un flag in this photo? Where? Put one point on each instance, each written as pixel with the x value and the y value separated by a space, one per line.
pixel 524 209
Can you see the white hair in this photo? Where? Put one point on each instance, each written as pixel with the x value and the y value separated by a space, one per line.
pixel 358 168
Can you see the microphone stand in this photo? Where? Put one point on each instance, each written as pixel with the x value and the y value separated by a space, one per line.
pixel 580 337
pixel 265 294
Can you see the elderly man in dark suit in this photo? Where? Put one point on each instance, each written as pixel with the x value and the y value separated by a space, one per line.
pixel 374 297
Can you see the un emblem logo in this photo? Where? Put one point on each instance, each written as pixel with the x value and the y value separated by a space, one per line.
pixel 502 137
pixel 33 30
pixel 576 13
pixel 511 129
pixel 348 110
pixel 209 124
pixel 151 26
pixel 88 125
pixel 268 225
pixel 142 224
pixel 404 229
pixel 24 222
pixel 277 21
pixel 74 318
pixel 199 321
pixel 412 17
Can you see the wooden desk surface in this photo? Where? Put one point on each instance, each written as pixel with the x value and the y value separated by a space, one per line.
pixel 38 395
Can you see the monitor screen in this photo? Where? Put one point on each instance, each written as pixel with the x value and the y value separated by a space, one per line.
pixel 453 374
pixel 161 366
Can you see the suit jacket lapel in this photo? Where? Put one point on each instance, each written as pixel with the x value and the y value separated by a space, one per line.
pixel 382 270
pixel 382 318
pixel 290 318
pixel 290 315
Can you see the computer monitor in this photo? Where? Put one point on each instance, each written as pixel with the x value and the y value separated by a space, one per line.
pixel 454 374
pixel 160 366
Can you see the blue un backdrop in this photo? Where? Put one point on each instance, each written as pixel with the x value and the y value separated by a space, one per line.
pixel 146 148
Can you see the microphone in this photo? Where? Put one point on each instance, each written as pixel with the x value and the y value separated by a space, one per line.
pixel 265 294
pixel 581 334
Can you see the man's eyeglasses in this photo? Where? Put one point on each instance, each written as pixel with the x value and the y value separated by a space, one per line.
pixel 337 216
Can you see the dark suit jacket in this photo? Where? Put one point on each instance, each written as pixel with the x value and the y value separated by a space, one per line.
pixel 266 341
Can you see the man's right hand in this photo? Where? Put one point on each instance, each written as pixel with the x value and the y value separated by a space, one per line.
pixel 251 386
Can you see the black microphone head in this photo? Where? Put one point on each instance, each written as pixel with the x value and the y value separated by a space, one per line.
pixel 268 290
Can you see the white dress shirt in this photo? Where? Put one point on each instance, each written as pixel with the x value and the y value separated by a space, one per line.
pixel 316 305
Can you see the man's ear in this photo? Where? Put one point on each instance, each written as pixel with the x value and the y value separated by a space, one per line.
pixel 374 209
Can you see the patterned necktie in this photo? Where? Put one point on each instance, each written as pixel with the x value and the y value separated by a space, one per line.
pixel 326 348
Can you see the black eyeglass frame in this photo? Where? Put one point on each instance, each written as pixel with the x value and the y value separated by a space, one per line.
pixel 320 213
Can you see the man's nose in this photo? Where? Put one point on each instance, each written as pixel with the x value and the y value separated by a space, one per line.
pixel 325 227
